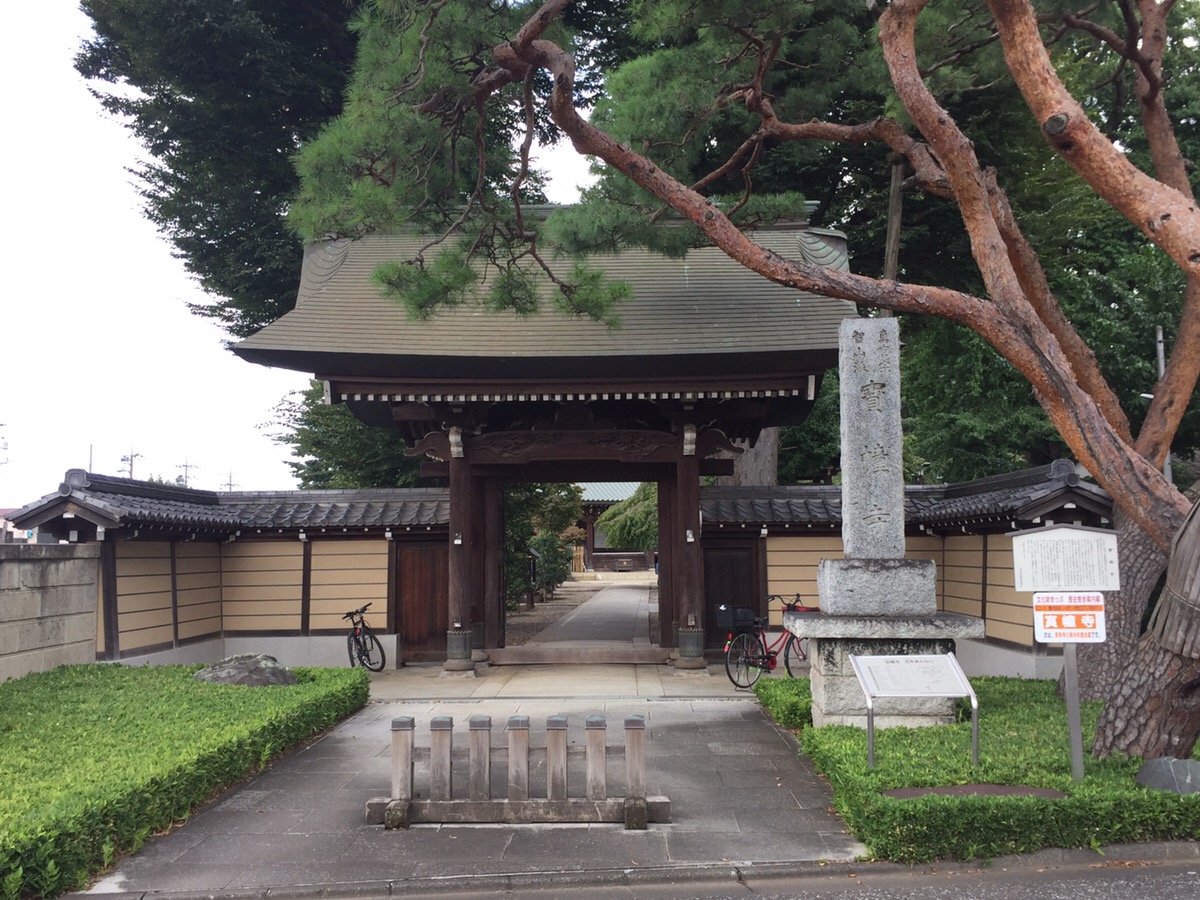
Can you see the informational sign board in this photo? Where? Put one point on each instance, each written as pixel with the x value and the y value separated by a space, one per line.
pixel 913 676
pixel 1068 618
pixel 1068 565
pixel 1065 558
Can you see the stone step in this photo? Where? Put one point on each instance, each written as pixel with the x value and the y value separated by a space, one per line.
pixel 532 655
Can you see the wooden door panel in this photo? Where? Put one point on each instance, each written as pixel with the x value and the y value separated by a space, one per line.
pixel 422 596
pixel 730 577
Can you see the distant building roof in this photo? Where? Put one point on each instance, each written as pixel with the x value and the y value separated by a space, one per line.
pixel 108 502
pixel 992 503
pixel 608 491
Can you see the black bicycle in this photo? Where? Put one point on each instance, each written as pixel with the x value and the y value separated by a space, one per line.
pixel 361 642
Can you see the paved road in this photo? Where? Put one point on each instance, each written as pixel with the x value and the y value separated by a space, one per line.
pixel 1161 872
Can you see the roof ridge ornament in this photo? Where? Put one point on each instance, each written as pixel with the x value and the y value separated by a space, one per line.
pixel 75 478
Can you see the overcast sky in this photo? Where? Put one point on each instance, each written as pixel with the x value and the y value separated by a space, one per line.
pixel 101 358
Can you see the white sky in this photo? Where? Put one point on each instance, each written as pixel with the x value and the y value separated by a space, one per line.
pixel 100 355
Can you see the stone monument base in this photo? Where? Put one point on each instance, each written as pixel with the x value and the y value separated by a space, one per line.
pixel 877 587
pixel 838 698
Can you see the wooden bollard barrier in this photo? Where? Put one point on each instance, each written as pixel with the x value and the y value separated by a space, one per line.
pixel 518 758
pixel 403 808
pixel 402 758
pixel 479 784
pixel 396 813
pixel 636 812
pixel 597 773
pixel 441 739
pixel 556 758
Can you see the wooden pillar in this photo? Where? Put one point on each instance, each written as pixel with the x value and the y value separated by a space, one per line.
pixel 476 553
pixel 458 637
pixel 666 563
pixel 108 600
pixel 689 563
pixel 493 565
pixel 589 539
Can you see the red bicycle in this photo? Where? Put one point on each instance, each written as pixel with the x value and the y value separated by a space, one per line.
pixel 748 653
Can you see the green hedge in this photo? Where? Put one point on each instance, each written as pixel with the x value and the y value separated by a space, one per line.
pixel 1023 741
pixel 95 758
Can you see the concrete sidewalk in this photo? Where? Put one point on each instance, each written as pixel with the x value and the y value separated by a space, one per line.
pixel 740 796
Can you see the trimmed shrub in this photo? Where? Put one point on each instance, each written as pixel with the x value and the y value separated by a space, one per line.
pixel 95 758
pixel 1023 742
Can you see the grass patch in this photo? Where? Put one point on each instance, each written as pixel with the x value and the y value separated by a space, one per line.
pixel 95 758
pixel 1023 741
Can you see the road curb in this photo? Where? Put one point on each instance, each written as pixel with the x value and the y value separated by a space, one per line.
pixel 733 872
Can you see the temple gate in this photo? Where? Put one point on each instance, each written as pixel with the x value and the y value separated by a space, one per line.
pixel 707 355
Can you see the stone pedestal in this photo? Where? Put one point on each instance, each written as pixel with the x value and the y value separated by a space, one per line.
pixel 459 659
pixel 690 643
pixel 877 587
pixel 838 698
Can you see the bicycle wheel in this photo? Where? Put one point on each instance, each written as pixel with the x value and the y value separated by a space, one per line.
pixel 370 651
pixel 742 660
pixel 795 653
pixel 352 647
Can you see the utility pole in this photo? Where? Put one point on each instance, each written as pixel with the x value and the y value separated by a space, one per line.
pixel 187 470
pixel 1162 368
pixel 891 249
pixel 128 461
pixel 229 485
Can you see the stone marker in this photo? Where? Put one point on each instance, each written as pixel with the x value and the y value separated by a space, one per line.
pixel 247 669
pixel 874 579
pixel 1169 774
pixel 874 602
pixel 872 462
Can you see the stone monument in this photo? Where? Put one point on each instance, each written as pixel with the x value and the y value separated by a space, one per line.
pixel 874 602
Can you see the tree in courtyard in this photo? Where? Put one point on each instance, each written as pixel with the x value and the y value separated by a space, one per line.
pixel 432 78
pixel 221 93
pixel 633 523
pixel 332 449
pixel 542 517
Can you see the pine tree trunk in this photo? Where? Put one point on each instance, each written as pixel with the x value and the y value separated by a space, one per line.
pixel 1142 564
pixel 1155 708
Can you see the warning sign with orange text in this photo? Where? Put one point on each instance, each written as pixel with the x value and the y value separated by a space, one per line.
pixel 1069 617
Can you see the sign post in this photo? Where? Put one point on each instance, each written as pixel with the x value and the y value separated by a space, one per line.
pixel 1068 566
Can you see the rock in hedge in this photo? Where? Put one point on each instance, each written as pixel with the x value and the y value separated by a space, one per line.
pixel 248 669
pixel 1169 774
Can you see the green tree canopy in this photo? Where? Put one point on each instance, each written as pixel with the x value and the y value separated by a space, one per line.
pixel 221 94
pixel 332 449
pixel 633 523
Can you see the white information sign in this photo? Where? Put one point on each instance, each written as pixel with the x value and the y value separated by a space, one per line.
pixel 911 676
pixel 1068 618
pixel 1065 558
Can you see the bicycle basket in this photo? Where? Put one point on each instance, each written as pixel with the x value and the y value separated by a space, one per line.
pixel 735 618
